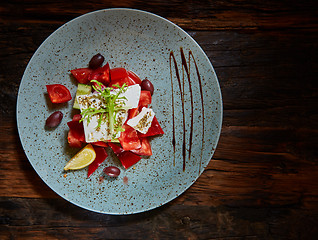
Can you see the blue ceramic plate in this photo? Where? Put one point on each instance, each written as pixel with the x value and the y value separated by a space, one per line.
pixel 188 106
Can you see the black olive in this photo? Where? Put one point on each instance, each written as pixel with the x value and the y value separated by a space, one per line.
pixel 96 61
pixel 147 85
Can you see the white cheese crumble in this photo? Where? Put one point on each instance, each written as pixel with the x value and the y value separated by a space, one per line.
pixel 142 121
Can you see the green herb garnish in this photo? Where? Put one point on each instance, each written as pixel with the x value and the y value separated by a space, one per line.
pixel 112 105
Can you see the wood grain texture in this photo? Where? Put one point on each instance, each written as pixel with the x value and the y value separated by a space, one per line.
pixel 198 15
pixel 262 180
pixel 170 221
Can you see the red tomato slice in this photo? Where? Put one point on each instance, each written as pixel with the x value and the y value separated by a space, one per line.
pixel 101 155
pixel 145 149
pixel 129 138
pixel 145 99
pixel 82 74
pixel 155 129
pixel 101 74
pixel 118 73
pixel 58 93
pixel 119 76
pixel 133 76
pixel 121 82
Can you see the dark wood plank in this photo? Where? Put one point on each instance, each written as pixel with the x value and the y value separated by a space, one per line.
pixel 199 15
pixel 56 219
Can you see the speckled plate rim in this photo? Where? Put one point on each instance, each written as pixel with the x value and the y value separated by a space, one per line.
pixel 219 123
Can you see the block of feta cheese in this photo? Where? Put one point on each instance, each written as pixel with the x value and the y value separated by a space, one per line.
pixel 132 95
pixel 143 120
pixel 92 132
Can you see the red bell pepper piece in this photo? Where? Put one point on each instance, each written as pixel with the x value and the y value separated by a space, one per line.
pixel 78 130
pixel 127 158
pixel 76 134
pixel 72 140
pixel 101 155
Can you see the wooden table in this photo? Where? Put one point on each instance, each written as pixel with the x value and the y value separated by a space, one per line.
pixel 262 180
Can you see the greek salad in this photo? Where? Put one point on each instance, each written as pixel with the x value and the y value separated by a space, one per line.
pixel 113 111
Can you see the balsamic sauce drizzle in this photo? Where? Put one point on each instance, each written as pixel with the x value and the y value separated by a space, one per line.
pixel 186 69
pixel 172 101
pixel 202 103
pixel 182 101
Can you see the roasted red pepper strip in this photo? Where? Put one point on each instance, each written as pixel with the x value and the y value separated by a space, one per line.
pixel 127 158
pixel 78 130
pixel 101 155
pixel 72 140
pixel 76 134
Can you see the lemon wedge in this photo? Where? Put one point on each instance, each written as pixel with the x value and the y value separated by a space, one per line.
pixel 82 159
